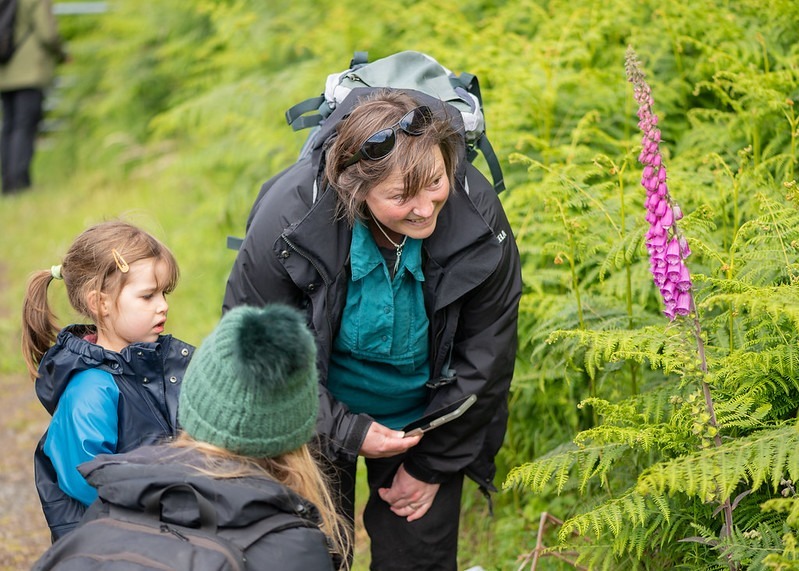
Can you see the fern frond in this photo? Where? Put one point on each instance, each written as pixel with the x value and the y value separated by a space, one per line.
pixel 586 461
pixel 623 252
pixel 714 473
pixel 643 438
pixel 741 411
pixel 631 509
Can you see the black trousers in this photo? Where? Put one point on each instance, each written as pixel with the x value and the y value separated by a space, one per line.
pixel 427 544
pixel 22 112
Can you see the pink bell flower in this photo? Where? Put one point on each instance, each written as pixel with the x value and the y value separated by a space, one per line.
pixel 683 305
pixel 667 248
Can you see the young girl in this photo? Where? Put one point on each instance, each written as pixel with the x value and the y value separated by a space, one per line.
pixel 110 386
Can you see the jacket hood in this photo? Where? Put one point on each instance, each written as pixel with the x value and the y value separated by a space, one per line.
pixel 130 480
pixel 73 353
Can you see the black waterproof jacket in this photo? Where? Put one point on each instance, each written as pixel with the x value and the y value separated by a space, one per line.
pixel 297 544
pixel 296 251
pixel 148 376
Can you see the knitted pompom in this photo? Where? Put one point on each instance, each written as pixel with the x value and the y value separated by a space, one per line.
pixel 252 385
pixel 274 344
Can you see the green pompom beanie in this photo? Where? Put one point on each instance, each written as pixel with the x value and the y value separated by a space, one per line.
pixel 251 386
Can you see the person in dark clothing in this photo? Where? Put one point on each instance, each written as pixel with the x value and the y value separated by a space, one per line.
pixel 400 254
pixel 248 407
pixel 23 81
pixel 111 385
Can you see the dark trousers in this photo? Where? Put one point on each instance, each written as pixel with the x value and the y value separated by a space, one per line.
pixel 427 544
pixel 22 112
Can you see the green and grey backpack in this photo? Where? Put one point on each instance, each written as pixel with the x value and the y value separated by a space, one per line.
pixel 403 70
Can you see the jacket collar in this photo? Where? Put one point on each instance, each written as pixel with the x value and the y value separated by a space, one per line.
pixel 321 236
pixel 460 254
pixel 72 353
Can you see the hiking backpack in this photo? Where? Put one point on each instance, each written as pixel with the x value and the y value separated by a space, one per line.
pixel 129 540
pixel 8 16
pixel 402 70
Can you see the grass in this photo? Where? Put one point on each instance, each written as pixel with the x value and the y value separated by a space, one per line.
pixel 39 225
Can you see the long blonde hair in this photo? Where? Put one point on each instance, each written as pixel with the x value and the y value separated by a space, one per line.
pixel 94 261
pixel 298 470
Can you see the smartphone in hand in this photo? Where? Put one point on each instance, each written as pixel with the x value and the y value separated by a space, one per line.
pixel 439 417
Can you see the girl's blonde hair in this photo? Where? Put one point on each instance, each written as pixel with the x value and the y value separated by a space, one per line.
pixel 411 155
pixel 297 470
pixel 96 261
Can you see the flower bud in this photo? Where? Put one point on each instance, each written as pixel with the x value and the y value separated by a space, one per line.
pixel 667 219
pixel 685 251
pixel 673 272
pixel 683 303
pixel 673 252
pixel 684 281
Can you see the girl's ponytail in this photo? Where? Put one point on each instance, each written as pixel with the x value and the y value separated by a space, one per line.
pixel 39 327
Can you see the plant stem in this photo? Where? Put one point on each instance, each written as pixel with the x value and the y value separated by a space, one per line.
pixel 794 124
pixel 572 255
pixel 629 280
pixel 726 506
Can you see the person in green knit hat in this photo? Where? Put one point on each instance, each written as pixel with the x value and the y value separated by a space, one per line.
pixel 250 388
pixel 247 410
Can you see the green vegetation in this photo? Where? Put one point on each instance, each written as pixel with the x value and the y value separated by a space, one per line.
pixel 171 114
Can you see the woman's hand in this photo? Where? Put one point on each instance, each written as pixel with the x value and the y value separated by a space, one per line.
pixel 382 442
pixel 408 497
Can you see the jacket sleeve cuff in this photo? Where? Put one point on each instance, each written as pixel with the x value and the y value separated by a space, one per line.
pixel 422 473
pixel 356 435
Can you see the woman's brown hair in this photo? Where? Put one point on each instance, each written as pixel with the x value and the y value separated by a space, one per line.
pixel 411 155
pixel 94 262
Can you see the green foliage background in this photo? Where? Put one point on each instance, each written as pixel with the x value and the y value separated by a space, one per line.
pixel 171 114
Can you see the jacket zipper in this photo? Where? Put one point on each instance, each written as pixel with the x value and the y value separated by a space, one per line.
pixel 321 274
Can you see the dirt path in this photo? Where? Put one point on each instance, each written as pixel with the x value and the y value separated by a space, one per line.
pixel 23 531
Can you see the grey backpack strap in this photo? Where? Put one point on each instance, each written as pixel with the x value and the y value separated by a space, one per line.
pixel 295 115
pixel 493 163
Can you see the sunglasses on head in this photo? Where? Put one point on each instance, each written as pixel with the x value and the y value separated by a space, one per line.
pixel 381 143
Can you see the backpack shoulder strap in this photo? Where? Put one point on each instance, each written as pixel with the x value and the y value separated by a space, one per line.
pixel 493 162
pixel 471 84
pixel 246 536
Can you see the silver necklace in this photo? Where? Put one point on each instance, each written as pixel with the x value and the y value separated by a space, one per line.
pixel 398 247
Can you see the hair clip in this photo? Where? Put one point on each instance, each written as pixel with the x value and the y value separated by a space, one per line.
pixel 120 261
pixel 55 272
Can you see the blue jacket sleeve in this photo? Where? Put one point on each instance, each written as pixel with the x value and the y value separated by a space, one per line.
pixel 84 424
